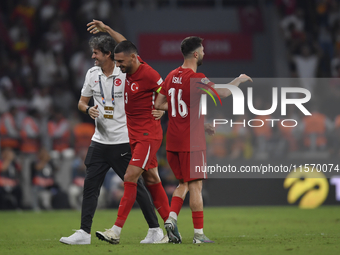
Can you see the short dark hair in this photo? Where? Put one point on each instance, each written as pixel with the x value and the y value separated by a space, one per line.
pixel 190 44
pixel 126 47
pixel 104 43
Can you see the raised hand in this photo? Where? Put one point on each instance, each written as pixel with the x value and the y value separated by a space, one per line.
pixel 243 78
pixel 96 26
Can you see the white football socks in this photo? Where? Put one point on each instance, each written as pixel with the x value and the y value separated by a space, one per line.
pixel 116 229
pixel 198 231
pixel 173 215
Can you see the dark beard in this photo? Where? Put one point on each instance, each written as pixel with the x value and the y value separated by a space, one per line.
pixel 128 69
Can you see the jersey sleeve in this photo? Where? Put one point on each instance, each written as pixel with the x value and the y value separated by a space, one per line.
pixel 155 81
pixel 202 83
pixel 163 90
pixel 86 91
pixel 165 86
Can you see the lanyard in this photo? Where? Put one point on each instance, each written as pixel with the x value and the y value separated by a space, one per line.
pixel 102 91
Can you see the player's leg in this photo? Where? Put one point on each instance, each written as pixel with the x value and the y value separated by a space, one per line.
pixel 179 162
pixel 177 197
pixel 144 156
pixel 145 202
pixel 129 197
pixel 119 159
pixel 195 184
pixel 155 233
pixel 95 174
pixel 152 180
pixel 196 206
pixel 196 200
pixel 159 196
pixel 176 205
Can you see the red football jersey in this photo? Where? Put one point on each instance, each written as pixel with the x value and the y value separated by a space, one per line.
pixel 140 95
pixel 185 121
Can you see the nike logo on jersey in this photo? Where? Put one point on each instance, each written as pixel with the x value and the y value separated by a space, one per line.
pixel 123 154
pixel 135 159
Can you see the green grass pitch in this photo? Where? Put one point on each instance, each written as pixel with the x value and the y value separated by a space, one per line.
pixel 235 230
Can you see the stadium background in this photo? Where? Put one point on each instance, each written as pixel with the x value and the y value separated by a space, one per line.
pixel 45 55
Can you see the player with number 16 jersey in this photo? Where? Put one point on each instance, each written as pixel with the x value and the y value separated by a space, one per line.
pixel 181 87
pixel 186 149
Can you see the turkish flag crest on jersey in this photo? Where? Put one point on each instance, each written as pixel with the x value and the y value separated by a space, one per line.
pixel 134 87
pixel 118 82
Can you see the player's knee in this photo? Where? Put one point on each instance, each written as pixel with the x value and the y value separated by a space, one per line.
pixel 150 180
pixel 151 177
pixel 195 186
pixel 130 177
pixel 183 185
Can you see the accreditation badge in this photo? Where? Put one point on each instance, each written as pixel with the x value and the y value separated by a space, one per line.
pixel 108 112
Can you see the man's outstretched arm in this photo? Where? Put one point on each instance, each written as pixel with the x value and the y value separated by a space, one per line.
pixel 97 26
pixel 224 92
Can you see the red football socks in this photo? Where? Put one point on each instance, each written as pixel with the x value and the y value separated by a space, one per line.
pixel 160 200
pixel 176 204
pixel 126 203
pixel 197 218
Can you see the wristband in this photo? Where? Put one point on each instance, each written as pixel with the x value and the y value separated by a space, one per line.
pixel 87 109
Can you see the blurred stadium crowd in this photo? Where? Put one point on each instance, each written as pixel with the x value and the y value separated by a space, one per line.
pixel 44 58
pixel 311 33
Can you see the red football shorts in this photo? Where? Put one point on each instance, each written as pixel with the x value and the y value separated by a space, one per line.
pixel 144 153
pixel 187 166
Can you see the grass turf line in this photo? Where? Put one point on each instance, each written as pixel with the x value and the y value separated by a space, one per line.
pixel 236 230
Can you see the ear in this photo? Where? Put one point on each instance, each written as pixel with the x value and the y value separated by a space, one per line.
pixel 108 54
pixel 133 55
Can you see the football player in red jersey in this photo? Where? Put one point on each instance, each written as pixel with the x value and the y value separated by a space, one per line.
pixel 183 98
pixel 145 132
